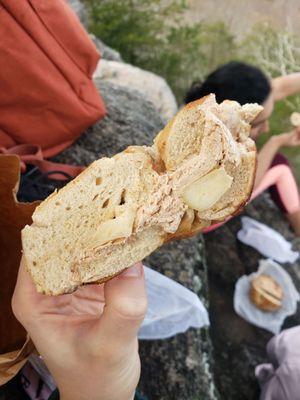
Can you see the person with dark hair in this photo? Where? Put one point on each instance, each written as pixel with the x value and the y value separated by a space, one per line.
pixel 248 84
pixel 233 81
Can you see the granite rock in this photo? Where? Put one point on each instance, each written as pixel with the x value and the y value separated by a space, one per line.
pixel 238 345
pixel 180 367
pixel 131 120
pixel 152 86
pixel 107 53
pixel 80 11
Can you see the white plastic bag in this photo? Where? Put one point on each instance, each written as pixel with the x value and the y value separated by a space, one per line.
pixel 271 321
pixel 267 241
pixel 172 308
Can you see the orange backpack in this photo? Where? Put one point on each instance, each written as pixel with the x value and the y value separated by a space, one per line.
pixel 47 96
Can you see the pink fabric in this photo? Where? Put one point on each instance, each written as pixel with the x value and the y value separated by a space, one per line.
pixel 33 384
pixel 282 177
pixel 280 380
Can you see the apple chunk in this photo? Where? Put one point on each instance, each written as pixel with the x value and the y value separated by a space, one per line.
pixel 207 190
pixel 108 231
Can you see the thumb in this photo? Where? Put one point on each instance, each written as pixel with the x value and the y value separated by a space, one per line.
pixel 125 305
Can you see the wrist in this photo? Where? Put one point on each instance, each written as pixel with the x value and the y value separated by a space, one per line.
pixel 278 141
pixel 96 393
pixel 62 397
pixel 115 384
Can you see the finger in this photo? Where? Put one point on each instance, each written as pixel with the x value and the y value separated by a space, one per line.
pixel 87 300
pixel 25 300
pixel 291 135
pixel 91 292
pixel 294 133
pixel 125 306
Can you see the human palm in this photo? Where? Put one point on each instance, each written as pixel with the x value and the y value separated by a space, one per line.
pixel 291 139
pixel 88 338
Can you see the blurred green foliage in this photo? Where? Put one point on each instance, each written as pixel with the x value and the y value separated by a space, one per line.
pixel 280 122
pixel 154 35
pixel 136 28
pixel 277 53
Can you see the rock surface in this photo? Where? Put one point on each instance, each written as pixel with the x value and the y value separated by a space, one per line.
pixel 154 87
pixel 107 53
pixel 80 11
pixel 239 346
pixel 131 120
pixel 180 367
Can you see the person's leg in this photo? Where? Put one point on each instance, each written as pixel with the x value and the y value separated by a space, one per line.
pixel 282 177
pixel 285 194
pixel 294 217
pixel 279 159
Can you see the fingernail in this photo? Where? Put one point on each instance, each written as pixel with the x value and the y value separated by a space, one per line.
pixel 133 272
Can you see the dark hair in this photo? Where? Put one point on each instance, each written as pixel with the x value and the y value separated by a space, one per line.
pixel 233 81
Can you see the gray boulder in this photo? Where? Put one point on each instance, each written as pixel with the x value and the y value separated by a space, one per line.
pixel 80 11
pixel 180 367
pixel 153 87
pixel 107 53
pixel 131 120
pixel 238 345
